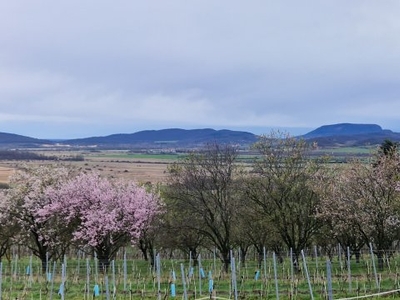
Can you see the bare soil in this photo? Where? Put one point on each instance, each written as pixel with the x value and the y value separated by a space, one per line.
pixel 141 170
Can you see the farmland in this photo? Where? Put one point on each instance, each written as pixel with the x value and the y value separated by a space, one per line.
pixel 129 277
pixel 143 167
pixel 247 216
pixel 138 167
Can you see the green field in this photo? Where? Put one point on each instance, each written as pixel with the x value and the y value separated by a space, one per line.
pixel 349 150
pixel 138 156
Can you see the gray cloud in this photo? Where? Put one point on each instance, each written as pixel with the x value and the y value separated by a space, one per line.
pixel 82 68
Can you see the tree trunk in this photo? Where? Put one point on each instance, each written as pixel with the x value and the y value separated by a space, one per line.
pixel 44 265
pixel 226 260
pixel 104 263
pixel 103 257
pixel 194 255
pixel 147 249
pixel 44 259
pixel 357 254
pixel 4 248
pixel 260 259
pixel 381 261
pixel 296 263
pixel 243 253
pixel 143 249
pixel 150 251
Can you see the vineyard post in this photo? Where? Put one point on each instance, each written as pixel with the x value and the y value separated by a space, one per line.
pixel 158 267
pixel 30 271
pixel 316 259
pixel 125 267
pixel 63 276
pixel 214 261
pixel 113 277
pixel 233 276
pixel 329 279
pixel 349 268
pixel 199 263
pixel 291 273
pixel 1 278
pixel 107 287
pixel 52 280
pixel 276 276
pixel 183 283
pixel 96 269
pixel 87 278
pixel 374 267
pixel 307 275
pixel 265 266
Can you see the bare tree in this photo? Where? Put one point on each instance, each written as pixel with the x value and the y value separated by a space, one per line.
pixel 179 232
pixel 256 229
pixel 281 188
pixel 205 187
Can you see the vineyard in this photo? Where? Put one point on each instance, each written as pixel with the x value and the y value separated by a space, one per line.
pixel 130 277
pixel 216 227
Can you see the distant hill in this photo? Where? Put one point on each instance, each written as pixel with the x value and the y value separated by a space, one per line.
pixel 343 129
pixel 8 140
pixel 348 134
pixel 174 137
pixel 336 135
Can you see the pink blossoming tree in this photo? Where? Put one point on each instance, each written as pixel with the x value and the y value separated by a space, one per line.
pixel 103 214
pixel 18 211
pixel 8 228
pixel 362 205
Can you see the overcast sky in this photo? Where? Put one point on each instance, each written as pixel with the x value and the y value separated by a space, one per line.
pixel 71 69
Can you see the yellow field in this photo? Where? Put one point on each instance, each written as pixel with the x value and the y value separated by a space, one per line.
pixel 141 170
pixel 5 172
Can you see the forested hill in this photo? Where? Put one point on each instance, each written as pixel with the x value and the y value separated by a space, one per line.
pixel 336 135
pixel 15 140
pixel 174 137
pixel 348 134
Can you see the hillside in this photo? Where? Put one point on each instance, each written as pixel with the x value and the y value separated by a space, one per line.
pixel 344 129
pixel 174 137
pixel 348 134
pixel 336 135
pixel 9 140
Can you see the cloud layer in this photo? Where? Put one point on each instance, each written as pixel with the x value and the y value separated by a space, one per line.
pixel 82 68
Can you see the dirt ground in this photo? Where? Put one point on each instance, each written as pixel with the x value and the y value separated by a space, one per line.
pixel 5 173
pixel 140 170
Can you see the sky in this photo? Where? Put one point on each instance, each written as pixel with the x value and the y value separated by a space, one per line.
pixel 72 69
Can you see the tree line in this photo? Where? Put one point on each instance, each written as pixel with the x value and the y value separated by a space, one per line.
pixel 284 199
pixel 28 155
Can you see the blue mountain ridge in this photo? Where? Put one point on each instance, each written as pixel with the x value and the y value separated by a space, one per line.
pixel 326 135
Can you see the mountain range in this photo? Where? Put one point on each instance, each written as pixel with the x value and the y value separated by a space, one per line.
pixel 336 135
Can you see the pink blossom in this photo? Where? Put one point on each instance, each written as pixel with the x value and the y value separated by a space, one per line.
pixel 99 210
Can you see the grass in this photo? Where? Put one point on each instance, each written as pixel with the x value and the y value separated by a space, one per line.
pixel 141 281
pixel 350 150
pixel 145 156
